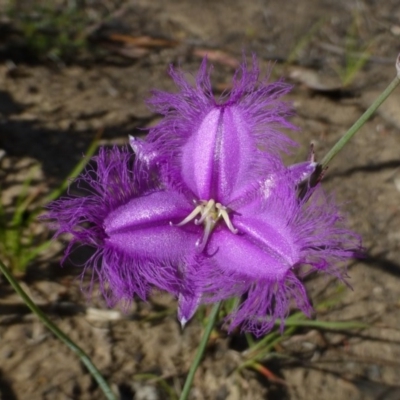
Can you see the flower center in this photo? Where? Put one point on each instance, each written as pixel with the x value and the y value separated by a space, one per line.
pixel 210 213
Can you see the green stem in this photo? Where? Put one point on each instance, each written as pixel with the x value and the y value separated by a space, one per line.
pixel 76 170
pixel 59 333
pixel 200 351
pixel 361 121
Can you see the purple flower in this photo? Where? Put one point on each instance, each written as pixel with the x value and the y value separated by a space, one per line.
pixel 208 211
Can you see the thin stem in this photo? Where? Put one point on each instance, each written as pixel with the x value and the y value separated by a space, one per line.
pixel 361 121
pixel 76 170
pixel 59 333
pixel 200 351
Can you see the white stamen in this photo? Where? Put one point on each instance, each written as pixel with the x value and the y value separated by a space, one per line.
pixel 210 213
pixel 224 214
pixel 196 211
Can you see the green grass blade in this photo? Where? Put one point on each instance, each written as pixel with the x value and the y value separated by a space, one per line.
pixel 327 325
pixel 76 170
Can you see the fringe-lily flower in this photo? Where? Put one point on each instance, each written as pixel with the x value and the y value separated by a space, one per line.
pixel 208 210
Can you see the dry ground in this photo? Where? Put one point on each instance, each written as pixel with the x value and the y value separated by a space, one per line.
pixel 49 113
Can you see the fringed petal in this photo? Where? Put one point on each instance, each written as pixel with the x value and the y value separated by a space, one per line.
pixel 280 236
pixel 135 248
pixel 215 147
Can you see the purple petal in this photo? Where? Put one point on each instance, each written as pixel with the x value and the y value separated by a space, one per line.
pixel 279 235
pixel 142 227
pixel 216 158
pixel 212 147
pixel 265 247
pixel 135 248
pixel 258 252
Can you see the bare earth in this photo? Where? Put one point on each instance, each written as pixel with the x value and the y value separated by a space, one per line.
pixel 49 114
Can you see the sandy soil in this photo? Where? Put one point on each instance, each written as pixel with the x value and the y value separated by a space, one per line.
pixel 51 111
